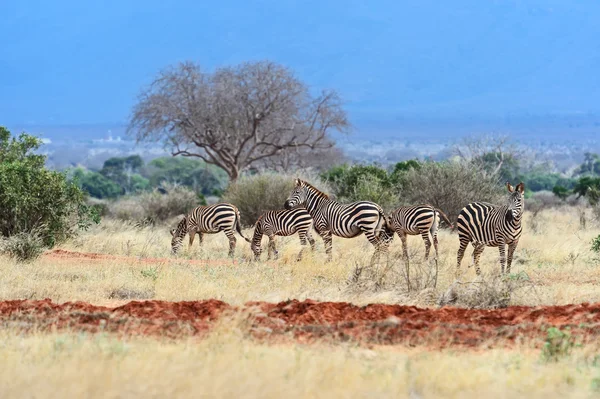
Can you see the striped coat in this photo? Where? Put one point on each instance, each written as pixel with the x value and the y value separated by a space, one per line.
pixel 343 220
pixel 282 223
pixel 484 224
pixel 418 219
pixel 208 220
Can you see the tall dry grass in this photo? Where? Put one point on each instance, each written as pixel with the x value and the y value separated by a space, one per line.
pixel 227 365
pixel 554 254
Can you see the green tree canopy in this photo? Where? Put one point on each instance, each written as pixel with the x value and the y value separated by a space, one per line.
pixel 35 198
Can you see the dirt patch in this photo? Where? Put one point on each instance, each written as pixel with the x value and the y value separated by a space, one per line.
pixel 310 321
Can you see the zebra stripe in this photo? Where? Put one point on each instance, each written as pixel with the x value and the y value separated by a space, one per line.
pixel 418 219
pixel 484 224
pixel 282 223
pixel 342 220
pixel 210 220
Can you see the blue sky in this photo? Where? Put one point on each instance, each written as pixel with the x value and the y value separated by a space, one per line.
pixel 70 62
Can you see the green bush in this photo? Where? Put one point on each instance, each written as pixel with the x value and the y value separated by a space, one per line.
pixel 558 344
pixel 262 192
pixel 35 198
pixel 561 192
pixel 449 186
pixel 24 246
pixel 96 184
pixel 193 173
pixel 596 245
pixel 364 183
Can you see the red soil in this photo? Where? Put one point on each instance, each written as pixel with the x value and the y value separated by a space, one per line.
pixel 310 321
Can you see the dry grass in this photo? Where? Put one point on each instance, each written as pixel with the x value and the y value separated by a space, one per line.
pixel 557 259
pixel 227 365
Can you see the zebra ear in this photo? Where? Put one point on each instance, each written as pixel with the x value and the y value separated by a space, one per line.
pixel 172 231
pixel 298 182
pixel 509 187
pixel 521 187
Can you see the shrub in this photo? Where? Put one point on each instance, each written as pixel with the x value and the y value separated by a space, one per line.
pixel 364 183
pixel 96 185
pixel 24 246
pixel 261 192
pixel 35 198
pixel 596 245
pixel 159 205
pixel 449 186
pixel 561 192
pixel 558 344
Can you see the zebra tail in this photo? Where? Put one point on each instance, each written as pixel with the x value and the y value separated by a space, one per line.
pixel 387 227
pixel 238 227
pixel 446 219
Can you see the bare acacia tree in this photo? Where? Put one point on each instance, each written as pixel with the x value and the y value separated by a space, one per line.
pixel 488 153
pixel 236 116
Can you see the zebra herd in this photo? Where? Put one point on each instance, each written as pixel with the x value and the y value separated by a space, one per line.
pixel 479 223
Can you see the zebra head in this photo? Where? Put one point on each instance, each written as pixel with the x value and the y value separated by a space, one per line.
pixel 516 201
pixel 177 235
pixel 298 196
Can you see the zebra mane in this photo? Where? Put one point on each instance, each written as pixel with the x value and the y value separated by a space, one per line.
pixel 313 188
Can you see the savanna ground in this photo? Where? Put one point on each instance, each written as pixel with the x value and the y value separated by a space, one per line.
pixel 242 337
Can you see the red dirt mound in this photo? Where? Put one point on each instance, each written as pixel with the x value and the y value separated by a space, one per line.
pixel 309 321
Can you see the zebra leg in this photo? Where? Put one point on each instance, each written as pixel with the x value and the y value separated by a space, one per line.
pixel 303 238
pixel 200 238
pixel 192 234
pixel 402 236
pixel 511 250
pixel 378 244
pixel 327 239
pixel 272 249
pixel 311 240
pixel 477 251
pixel 232 241
pixel 435 246
pixel 461 253
pixel 502 250
pixel 427 240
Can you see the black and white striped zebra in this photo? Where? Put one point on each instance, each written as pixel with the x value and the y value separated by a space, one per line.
pixel 484 224
pixel 343 220
pixel 282 223
pixel 418 219
pixel 208 220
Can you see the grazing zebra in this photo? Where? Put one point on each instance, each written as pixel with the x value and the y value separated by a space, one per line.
pixel 210 220
pixel 418 219
pixel 282 223
pixel 490 225
pixel 343 220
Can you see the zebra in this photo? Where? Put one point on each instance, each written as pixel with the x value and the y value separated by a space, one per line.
pixel 282 223
pixel 342 220
pixel 210 220
pixel 418 219
pixel 491 225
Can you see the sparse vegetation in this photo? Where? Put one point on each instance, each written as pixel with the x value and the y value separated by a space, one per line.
pixel 23 246
pixel 449 186
pixel 160 205
pixel 261 192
